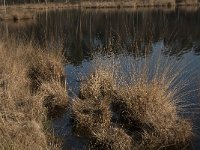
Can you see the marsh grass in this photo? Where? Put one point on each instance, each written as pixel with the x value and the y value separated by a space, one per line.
pixel 100 82
pixel 46 67
pixel 125 102
pixel 145 101
pixel 111 138
pixel 91 115
pixel 23 115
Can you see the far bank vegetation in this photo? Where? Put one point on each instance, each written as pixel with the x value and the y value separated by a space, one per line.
pixel 49 4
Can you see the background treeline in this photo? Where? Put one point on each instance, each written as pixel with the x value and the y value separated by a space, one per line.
pixel 9 2
pixel 32 1
pixel 44 1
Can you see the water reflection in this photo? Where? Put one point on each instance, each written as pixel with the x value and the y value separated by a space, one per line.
pixel 84 31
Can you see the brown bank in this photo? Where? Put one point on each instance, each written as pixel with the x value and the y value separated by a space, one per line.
pixel 28 11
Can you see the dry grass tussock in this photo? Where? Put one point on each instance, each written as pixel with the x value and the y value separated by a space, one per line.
pixel 46 66
pixel 143 100
pixel 101 82
pixel 111 138
pixel 23 115
pixel 93 120
pixel 91 115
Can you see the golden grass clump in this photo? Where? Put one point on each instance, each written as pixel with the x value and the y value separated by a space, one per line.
pixel 149 108
pixel 55 97
pixel 19 110
pixel 91 115
pixel 14 80
pixel 101 81
pixel 56 91
pixel 23 115
pixel 147 103
pixel 46 66
pixel 145 100
pixel 22 135
pixel 151 101
pixel 111 139
pixel 177 137
pixel 49 64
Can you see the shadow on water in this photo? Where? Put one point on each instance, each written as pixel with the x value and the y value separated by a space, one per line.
pixel 138 33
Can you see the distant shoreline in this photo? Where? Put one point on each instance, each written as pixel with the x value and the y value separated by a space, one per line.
pixel 130 4
pixel 28 11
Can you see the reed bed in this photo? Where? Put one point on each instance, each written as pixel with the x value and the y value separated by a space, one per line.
pixel 24 123
pixel 133 104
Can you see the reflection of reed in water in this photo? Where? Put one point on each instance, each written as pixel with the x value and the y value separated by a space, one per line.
pixel 19 24
pixel 85 31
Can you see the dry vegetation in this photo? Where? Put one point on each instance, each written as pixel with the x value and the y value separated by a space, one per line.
pixel 131 105
pixel 99 4
pixel 143 103
pixel 94 112
pixel 30 79
pixel 126 3
pixel 136 3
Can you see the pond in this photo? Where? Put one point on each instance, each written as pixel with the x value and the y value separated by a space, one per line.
pixel 174 33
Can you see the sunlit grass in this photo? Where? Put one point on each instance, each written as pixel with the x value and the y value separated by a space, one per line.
pixel 23 114
pixel 125 102
pixel 142 96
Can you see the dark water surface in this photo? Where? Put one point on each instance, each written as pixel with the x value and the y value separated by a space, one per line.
pixel 173 33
